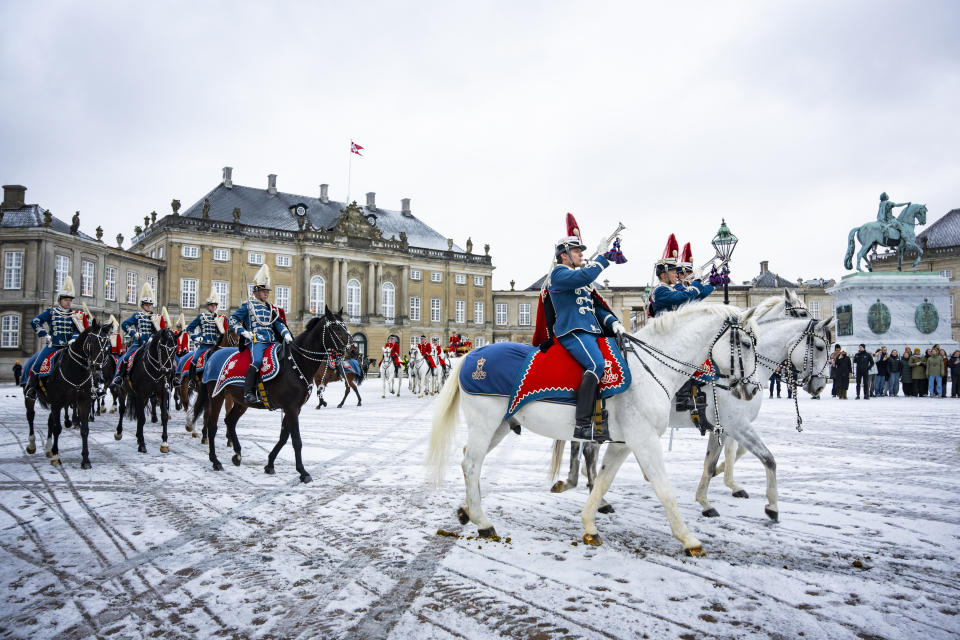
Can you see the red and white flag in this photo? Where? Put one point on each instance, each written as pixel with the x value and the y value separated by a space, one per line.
pixel 355 148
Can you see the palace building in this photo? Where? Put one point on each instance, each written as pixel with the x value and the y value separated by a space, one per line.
pixel 390 272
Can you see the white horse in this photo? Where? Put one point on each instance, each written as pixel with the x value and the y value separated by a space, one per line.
pixel 637 417
pixel 388 372
pixel 422 377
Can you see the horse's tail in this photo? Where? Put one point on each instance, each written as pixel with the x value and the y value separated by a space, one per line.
pixel 556 459
pixel 446 410
pixel 200 405
pixel 851 247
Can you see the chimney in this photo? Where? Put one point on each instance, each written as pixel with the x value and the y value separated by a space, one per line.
pixel 324 198
pixel 405 207
pixel 13 196
pixel 228 177
pixel 764 266
pixel 272 184
pixel 371 201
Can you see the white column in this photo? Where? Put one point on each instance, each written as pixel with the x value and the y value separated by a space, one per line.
pixel 334 286
pixel 378 298
pixel 371 288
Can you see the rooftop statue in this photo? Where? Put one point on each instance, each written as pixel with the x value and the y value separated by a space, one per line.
pixel 888 231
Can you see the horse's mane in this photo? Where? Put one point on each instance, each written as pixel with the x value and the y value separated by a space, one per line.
pixel 311 323
pixel 666 322
pixel 909 211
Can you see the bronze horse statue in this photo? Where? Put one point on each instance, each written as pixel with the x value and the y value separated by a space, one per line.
pixel 899 236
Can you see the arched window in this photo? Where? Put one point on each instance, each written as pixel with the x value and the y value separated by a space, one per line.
pixel 317 295
pixel 361 341
pixel 353 299
pixel 387 297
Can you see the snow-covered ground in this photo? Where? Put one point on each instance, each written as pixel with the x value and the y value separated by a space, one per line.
pixel 160 545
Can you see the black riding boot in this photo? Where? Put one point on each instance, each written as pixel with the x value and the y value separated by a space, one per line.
pixel 250 395
pixel 192 376
pixel 117 381
pixel 586 406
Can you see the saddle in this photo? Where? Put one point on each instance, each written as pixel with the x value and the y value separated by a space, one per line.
pixel 46 367
pixel 228 366
pixel 523 373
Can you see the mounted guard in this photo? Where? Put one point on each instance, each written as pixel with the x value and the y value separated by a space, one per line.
pixel 206 330
pixel 571 312
pixel 183 339
pixel 139 327
pixel 691 396
pixel 671 293
pixel 64 326
pixel 260 324
pixel 426 350
pixel 393 344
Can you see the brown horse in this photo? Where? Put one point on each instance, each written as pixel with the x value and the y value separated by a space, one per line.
pixel 329 372
pixel 191 381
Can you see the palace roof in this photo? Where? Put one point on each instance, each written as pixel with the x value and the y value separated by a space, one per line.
pixel 945 232
pixel 260 208
pixel 31 215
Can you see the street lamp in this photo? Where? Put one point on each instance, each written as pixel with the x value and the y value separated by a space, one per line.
pixel 724 243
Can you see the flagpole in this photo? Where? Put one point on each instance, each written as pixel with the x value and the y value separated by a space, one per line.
pixel 349 170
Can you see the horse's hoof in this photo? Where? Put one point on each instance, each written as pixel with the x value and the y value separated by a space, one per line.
pixel 607 508
pixel 269 470
pixel 48 453
pixel 31 449
pixel 117 436
pixel 557 487
pixel 195 434
pixel 189 427
pixel 164 448
pixel 112 410
pixel 153 420
pixel 711 513
pixel 592 540
pixel 204 441
pixel 85 464
pixel 236 460
pixel 773 515
pixel 217 466
pixel 489 532
pixel 305 478
pixel 740 494
pixel 695 552
pixel 382 396
pixel 141 448
pixel 55 461
pixel 462 516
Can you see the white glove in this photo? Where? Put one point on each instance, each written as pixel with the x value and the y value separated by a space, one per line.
pixel 136 335
pixel 246 334
pixel 287 338
pixel 48 340
pixel 618 328
pixel 71 341
pixel 601 249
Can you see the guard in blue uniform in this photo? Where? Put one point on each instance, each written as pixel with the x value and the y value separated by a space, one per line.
pixel 687 279
pixel 691 396
pixel 579 321
pixel 668 296
pixel 139 327
pixel 259 323
pixel 204 330
pixel 63 330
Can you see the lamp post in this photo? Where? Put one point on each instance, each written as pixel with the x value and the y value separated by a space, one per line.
pixel 724 243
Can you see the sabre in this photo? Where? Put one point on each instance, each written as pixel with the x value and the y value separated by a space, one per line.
pixel 608 240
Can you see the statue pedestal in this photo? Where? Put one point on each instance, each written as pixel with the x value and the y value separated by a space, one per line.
pixel 893 309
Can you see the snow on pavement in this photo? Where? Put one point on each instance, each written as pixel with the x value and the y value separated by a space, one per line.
pixel 160 545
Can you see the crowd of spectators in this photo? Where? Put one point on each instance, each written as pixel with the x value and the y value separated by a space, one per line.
pixel 883 374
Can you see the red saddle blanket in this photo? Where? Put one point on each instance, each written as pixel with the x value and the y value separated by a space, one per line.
pixel 47 365
pixel 230 366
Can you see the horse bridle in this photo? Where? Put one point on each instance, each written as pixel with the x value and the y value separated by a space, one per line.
pixel 163 363
pixel 323 355
pixel 90 362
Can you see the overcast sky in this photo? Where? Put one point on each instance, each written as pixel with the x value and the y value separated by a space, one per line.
pixel 786 118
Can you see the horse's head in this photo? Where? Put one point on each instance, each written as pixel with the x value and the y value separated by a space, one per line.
pixel 791 335
pixel 913 214
pixel 327 333
pixel 734 353
pixel 94 344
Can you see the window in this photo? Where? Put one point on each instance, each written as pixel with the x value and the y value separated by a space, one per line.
pixel 249 290
pixel 413 341
pixel 282 297
pixel 815 309
pixel 86 278
pixel 152 280
pixel 110 283
pixel 361 341
pixel 414 308
pixel 460 311
pixel 524 315
pixel 460 278
pixel 481 341
pixel 221 255
pixel 222 288
pixel 188 293
pixel 283 260
pixel 501 340
pixel 434 309
pixel 12 270
pixel 353 299
pixel 318 292
pixel 478 313
pixel 62 271
pixel 254 257
pixel 478 281
pixel 947 273
pixel 132 287
pixel 190 251
pixel 159 253
pixel 500 310
pixel 435 276
pixel 387 298
pixel 415 274
pixel 10 331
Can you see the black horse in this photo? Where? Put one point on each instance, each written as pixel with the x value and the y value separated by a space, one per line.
pixel 324 336
pixel 71 384
pixel 148 379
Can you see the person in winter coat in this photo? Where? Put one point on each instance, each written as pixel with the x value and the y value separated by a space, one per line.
pixel 935 369
pixel 842 370
pixel 18 373
pixel 833 362
pixel 946 370
pixel 863 363
pixel 906 373
pixel 894 368
pixel 881 358
pixel 775 380
pixel 954 364
pixel 918 369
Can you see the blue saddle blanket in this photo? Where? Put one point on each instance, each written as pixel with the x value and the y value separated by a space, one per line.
pixel 352 366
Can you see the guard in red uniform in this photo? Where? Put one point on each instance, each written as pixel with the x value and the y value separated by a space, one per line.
pixel 438 350
pixel 426 350
pixel 394 347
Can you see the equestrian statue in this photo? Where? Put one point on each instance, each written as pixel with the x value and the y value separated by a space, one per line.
pixel 893 233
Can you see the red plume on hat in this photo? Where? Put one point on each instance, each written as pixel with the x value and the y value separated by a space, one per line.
pixel 573 229
pixel 686 257
pixel 670 252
